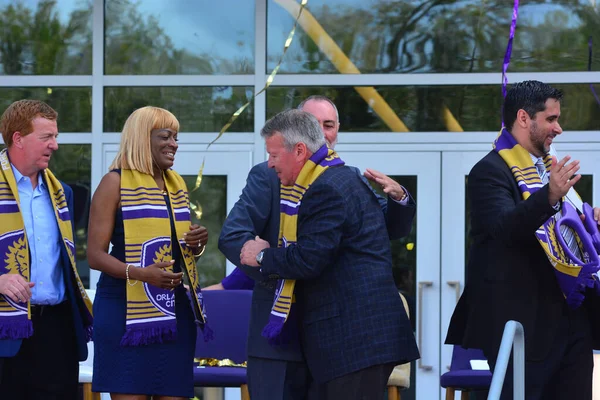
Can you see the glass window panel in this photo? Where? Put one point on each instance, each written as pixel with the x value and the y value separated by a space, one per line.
pixel 404 264
pixel 179 37
pixel 404 253
pixel 209 204
pixel 72 164
pixel 41 37
pixel 198 109
pixel 433 108
pixel 74 105
pixel 384 36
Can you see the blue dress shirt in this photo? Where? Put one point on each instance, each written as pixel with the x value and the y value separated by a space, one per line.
pixel 43 237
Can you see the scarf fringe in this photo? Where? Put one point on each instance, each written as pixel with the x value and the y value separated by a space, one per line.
pixel 278 332
pixel 207 333
pixel 89 333
pixel 272 332
pixel 149 335
pixel 16 330
pixel 577 296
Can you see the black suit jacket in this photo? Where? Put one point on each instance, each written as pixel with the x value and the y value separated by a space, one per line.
pixel 509 276
pixel 350 313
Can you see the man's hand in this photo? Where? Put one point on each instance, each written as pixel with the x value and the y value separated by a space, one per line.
pixel 596 215
pixel 16 287
pixel 389 186
pixel 251 249
pixel 562 178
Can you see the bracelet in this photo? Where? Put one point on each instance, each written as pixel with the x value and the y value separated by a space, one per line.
pixel 201 252
pixel 127 275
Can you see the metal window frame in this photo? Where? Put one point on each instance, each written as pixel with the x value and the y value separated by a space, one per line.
pixel 420 140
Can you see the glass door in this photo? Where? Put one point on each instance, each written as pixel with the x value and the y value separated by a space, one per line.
pixel 416 258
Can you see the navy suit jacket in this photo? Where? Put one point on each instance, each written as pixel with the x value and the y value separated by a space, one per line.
pixel 9 348
pixel 350 314
pixel 256 213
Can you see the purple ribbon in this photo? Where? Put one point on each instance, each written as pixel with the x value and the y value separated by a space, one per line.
pixel 513 27
pixel 590 68
pixel 511 36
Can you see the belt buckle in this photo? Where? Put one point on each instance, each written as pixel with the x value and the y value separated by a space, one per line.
pixel 37 308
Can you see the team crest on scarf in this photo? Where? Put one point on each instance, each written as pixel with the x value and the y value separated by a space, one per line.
pixel 155 251
pixel 13 250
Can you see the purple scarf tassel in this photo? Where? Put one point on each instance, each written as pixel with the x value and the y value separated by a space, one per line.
pixel 149 335
pixel 584 281
pixel 19 329
pixel 89 333
pixel 279 332
pixel 88 322
pixel 207 333
pixel 272 332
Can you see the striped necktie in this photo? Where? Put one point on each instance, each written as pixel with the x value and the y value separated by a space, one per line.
pixel 567 233
pixel 541 169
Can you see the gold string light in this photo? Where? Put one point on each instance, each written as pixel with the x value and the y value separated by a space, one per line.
pixel 268 83
pixel 213 362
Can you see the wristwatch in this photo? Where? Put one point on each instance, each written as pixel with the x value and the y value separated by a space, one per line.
pixel 404 196
pixel 259 256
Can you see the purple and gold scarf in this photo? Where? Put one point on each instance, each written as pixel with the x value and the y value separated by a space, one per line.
pixel 289 204
pixel 150 309
pixel 15 318
pixel 573 278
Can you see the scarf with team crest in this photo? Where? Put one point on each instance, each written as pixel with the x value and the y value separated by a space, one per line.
pixel 572 277
pixel 289 204
pixel 15 318
pixel 150 309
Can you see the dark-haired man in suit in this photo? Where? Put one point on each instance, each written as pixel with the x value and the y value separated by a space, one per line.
pixel 509 276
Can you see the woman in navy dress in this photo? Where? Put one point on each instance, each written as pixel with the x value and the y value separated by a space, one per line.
pixel 161 370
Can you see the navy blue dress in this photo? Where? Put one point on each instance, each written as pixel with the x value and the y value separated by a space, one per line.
pixel 164 369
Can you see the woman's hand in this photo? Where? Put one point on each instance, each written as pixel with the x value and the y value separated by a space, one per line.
pixel 156 275
pixel 196 237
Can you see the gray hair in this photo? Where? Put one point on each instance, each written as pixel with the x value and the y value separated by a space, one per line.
pixel 318 97
pixel 296 126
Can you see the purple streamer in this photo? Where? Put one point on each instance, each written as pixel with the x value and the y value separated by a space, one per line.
pixel 590 68
pixel 513 27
